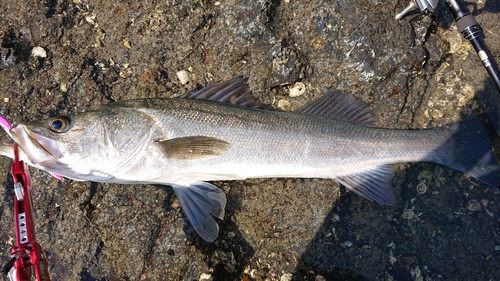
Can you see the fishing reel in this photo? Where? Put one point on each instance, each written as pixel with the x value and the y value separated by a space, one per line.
pixel 426 7
pixel 466 25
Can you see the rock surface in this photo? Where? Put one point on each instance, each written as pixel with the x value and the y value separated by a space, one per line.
pixel 415 73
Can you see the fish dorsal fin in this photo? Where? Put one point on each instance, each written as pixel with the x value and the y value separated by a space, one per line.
pixel 374 184
pixel 234 91
pixel 193 147
pixel 341 106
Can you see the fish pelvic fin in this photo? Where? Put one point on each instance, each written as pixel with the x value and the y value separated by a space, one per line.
pixel 200 201
pixel 193 147
pixel 468 149
pixel 374 184
pixel 341 106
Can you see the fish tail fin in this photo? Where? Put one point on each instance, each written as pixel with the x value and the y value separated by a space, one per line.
pixel 469 150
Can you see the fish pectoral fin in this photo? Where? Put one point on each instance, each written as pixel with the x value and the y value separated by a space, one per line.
pixel 374 184
pixel 193 147
pixel 199 201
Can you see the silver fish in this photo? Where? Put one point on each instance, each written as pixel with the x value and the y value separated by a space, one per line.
pixel 219 133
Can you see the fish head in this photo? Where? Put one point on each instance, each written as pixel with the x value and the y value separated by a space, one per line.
pixel 56 143
pixel 39 140
pixel 91 145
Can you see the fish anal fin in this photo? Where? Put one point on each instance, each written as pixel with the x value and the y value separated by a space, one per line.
pixel 341 106
pixel 200 201
pixel 374 184
pixel 193 147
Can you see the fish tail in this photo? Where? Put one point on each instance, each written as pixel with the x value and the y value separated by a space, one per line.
pixel 468 149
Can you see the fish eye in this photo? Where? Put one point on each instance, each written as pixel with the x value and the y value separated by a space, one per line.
pixel 59 124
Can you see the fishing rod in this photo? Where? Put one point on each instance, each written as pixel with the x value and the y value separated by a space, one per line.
pixel 466 25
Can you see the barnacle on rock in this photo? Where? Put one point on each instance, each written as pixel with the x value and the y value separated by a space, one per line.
pixel 421 188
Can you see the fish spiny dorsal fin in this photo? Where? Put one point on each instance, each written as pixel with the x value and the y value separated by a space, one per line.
pixel 341 106
pixel 234 91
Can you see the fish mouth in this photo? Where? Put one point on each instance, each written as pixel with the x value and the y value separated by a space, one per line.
pixel 37 148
